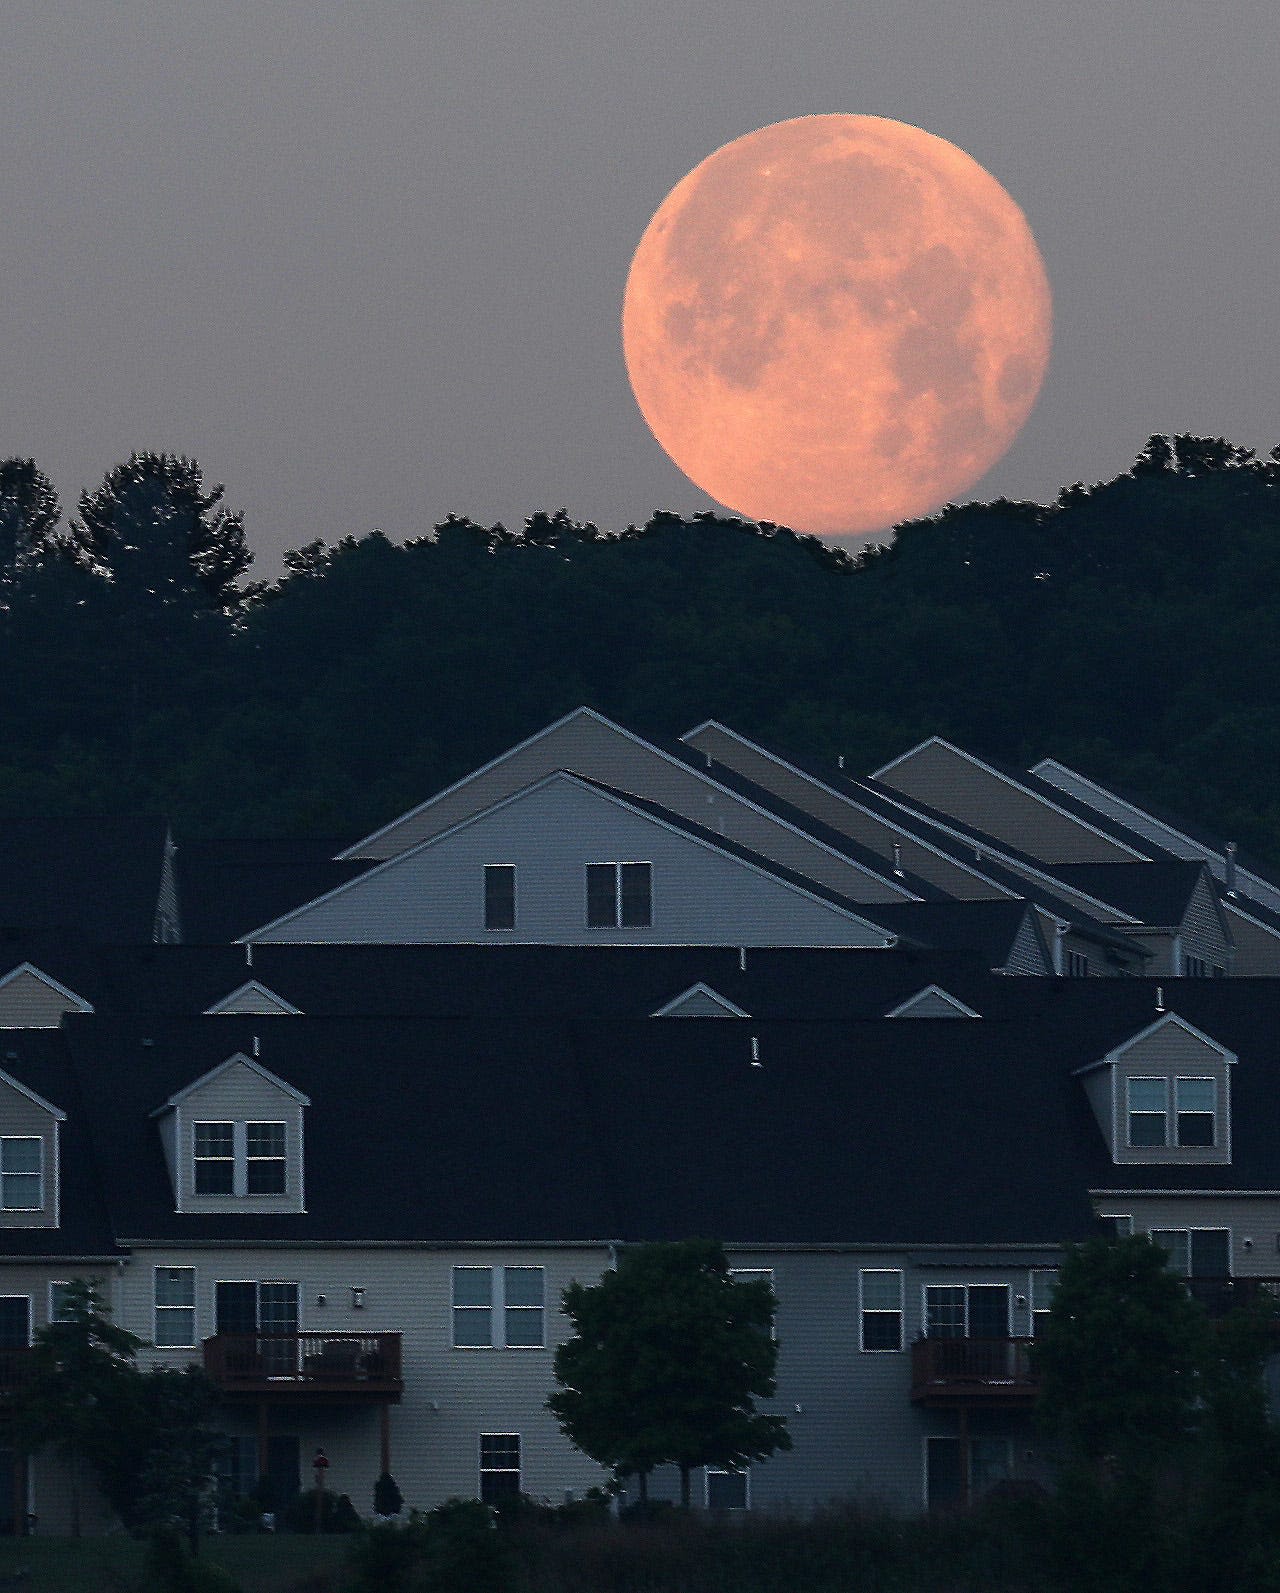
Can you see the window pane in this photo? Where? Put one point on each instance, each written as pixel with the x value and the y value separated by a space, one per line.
pixel 215 1178
pixel 21 1155
pixel 1174 1241
pixel 264 1139
pixel 175 1328
pixel 21 1192
pixel 602 896
pixel 523 1285
pixel 944 1311
pixel 882 1291
pixel 1146 1129
pixel 473 1285
pixel 175 1285
pixel 524 1327
pixel 265 1176
pixel 988 1464
pixel 636 895
pixel 726 1490
pixel 1210 1253
pixel 15 1322
pixel 499 896
pixel 59 1299
pixel 214 1139
pixel 1042 1286
pixel 499 1466
pixel 882 1330
pixel 1196 1095
pixel 988 1311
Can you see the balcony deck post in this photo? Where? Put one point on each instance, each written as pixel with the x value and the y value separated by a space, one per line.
pixel 264 1447
pixel 385 1436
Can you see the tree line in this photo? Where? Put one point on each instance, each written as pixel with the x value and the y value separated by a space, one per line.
pixel 1129 627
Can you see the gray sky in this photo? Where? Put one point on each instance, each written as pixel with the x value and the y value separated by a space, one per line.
pixel 366 261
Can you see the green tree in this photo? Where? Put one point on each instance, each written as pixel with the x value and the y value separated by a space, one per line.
pixel 168 1478
pixel 155 530
pixel 29 514
pixel 83 1395
pixel 1123 1356
pixel 668 1358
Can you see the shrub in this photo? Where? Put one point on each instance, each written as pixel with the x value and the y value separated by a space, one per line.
pixel 338 1514
pixel 387 1498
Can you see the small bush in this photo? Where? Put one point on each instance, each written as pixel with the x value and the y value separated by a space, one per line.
pixel 454 1548
pixel 172 1569
pixel 387 1498
pixel 338 1514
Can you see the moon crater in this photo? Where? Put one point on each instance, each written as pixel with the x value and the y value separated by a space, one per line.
pixel 836 322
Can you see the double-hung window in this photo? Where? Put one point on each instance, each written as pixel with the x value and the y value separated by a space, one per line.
pixel 1043 1283
pixel 240 1158
pixel 619 895
pixel 499 1466
pixel 499 896
pixel 727 1489
pixel 265 1161
pixel 966 1311
pixel 499 1307
pixel 881 1303
pixel 1148 1112
pixel 175 1305
pixel 1197 1109
pixel 22 1173
pixel 215 1158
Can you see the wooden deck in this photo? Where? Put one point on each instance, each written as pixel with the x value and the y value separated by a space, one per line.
pixel 993 1372
pixel 301 1368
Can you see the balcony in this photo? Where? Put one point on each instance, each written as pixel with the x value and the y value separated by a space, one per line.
pixel 1220 1295
pixel 15 1369
pixel 992 1372
pixel 302 1368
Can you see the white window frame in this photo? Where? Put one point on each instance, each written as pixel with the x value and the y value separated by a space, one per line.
pixel 498 1307
pixel 500 929
pixel 240 1158
pixel 157 1308
pixel 1194 1078
pixel 1035 1312
pixel 249 1160
pixel 727 1471
pixel 499 1471
pixel 1187 1232
pixel 940 1284
pixel 863 1272
pixel 55 1283
pixel 10 1139
pixel 31 1325
pixel 1144 1111
pixel 617 865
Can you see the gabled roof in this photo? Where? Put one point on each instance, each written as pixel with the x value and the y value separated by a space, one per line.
pixel 1157 893
pixel 1166 1020
pixel 931 994
pixel 695 993
pixel 238 1060
pixel 55 1112
pixel 254 990
pixel 988 928
pixel 29 969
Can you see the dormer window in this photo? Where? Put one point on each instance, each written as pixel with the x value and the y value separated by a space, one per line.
pixel 1194 1118
pixel 1197 1102
pixel 22 1173
pixel 240 1158
pixel 215 1163
pixel 265 1160
pixel 1148 1112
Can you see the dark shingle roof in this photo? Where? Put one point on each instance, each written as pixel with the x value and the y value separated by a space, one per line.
pixel 228 888
pixel 97 877
pixel 1153 893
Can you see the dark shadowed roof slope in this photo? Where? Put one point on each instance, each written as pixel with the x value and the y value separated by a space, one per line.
pixel 98 877
pixel 228 888
pixel 1154 893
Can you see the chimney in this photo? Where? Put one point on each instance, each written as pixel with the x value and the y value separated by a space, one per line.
pixel 1229 879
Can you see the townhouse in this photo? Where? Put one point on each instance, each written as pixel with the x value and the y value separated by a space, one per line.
pixel 603 992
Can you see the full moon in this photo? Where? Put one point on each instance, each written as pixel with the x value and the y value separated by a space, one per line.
pixel 836 323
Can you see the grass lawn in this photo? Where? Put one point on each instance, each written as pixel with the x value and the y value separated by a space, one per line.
pixel 115 1565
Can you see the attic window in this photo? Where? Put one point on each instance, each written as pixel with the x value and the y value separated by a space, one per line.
pixel 22 1173
pixel 1197 1101
pixel 215 1160
pixel 264 1159
pixel 1148 1112
pixel 499 896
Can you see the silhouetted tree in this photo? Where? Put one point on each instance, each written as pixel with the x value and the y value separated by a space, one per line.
pixel 29 515
pixel 153 528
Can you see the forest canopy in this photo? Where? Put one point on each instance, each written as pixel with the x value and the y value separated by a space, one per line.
pixel 1131 628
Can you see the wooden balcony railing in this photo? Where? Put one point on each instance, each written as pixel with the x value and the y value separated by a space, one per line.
pixel 972 1371
pixel 302 1366
pixel 1220 1295
pixel 15 1369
